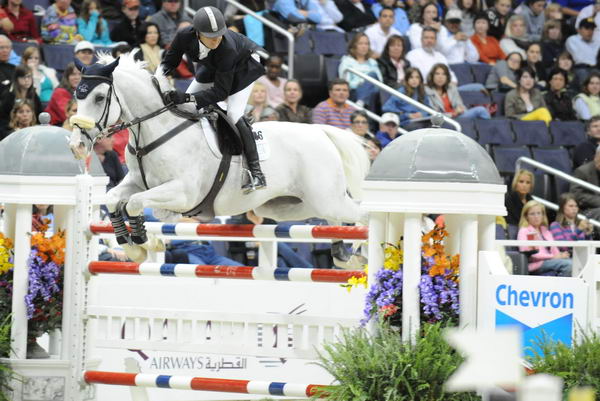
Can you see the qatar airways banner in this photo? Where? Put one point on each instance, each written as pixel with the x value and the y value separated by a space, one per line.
pixel 539 306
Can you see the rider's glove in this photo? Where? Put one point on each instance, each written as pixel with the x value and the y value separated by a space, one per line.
pixel 177 97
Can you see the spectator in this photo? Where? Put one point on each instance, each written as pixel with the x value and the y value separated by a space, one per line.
pixel 516 38
pixel 44 78
pixel 587 103
pixel 590 11
pixel 7 70
pixel 401 22
pixel 519 194
pixel 498 16
pixel 70 110
pixel 20 90
pixel 258 107
pixel 126 29
pixel 547 261
pixel 487 46
pixel 388 129
pixel 84 52
pixel 373 147
pixel 334 111
pixel 360 124
pixel 456 46
pixel 59 24
pixel 392 62
pixel 585 151
pixel 568 226
pixel 552 42
pixel 273 81
pixel 583 48
pixel 426 56
pixel 565 62
pixel 445 98
pixel 533 59
pixel 468 9
pixel 118 50
pixel 360 58
pixel 290 109
pixel 21 116
pixel 24 28
pixel 61 95
pixel 330 16
pixel 502 77
pixel 91 26
pixel 413 87
pixel 110 161
pixel 356 14
pixel 298 12
pixel 380 32
pixel 429 18
pixel 555 12
pixel 526 102
pixel 558 98
pixel 168 19
pixel 533 12
pixel 150 51
pixel 588 200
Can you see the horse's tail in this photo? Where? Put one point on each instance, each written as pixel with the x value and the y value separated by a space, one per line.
pixel 354 158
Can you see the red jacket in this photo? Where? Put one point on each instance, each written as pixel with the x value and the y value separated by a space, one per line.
pixel 57 107
pixel 25 26
pixel 489 52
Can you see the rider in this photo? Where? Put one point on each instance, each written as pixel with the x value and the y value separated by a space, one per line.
pixel 227 66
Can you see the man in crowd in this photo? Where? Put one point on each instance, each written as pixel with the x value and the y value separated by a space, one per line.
pixel 583 47
pixel 457 47
pixel 7 70
pixel 380 32
pixel 273 82
pixel 356 14
pixel 334 111
pixel 584 152
pixel 388 128
pixel 426 56
pixel 588 201
pixel 23 27
pixel 298 12
pixel 168 19
pixel 125 30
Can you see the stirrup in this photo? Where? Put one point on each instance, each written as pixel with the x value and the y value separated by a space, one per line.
pixel 253 184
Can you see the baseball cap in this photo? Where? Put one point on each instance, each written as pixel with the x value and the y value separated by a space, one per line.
pixel 131 3
pixel 587 23
pixel 84 45
pixel 390 118
pixel 453 14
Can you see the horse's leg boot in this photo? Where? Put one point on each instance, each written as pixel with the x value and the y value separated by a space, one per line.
pixel 257 178
pixel 138 231
pixel 118 223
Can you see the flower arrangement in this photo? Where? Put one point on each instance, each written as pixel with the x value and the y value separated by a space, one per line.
pixel 438 285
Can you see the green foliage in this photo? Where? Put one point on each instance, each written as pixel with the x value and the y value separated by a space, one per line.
pixel 383 368
pixel 577 365
pixel 6 373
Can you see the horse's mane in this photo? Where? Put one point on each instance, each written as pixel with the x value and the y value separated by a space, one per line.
pixel 127 62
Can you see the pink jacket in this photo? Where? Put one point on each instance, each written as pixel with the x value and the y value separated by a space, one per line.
pixel 544 253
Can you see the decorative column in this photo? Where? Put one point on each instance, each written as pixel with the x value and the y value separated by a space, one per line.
pixel 377 227
pixel 468 271
pixel 411 278
pixel 487 232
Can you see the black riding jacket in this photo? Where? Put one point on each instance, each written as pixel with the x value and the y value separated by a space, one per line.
pixel 230 66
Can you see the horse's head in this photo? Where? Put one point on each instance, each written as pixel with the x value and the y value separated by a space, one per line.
pixel 97 106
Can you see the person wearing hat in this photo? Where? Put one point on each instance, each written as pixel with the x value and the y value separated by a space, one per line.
pixel 583 47
pixel 126 29
pixel 388 128
pixel 227 66
pixel 84 52
pixel 456 46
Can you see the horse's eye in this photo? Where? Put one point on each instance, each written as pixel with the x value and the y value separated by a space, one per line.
pixel 99 99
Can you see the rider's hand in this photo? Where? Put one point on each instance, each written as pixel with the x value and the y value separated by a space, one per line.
pixel 177 97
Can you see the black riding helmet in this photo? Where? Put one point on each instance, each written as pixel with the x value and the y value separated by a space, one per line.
pixel 209 21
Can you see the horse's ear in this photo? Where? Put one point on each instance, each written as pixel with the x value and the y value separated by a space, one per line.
pixel 109 68
pixel 80 66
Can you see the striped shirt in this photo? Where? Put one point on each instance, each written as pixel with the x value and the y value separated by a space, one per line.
pixel 329 113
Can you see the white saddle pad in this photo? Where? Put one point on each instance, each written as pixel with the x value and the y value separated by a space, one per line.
pixel 262 145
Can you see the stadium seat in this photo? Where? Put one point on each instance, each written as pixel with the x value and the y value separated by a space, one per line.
pixel 329 43
pixel 505 157
pixel 310 70
pixel 567 133
pixel 531 133
pixel 559 158
pixel 331 67
pixel 19 47
pixel 498 99
pixel 474 98
pixel 58 56
pixel 468 128
pixel 480 72
pixel 302 44
pixel 463 73
pixel 494 132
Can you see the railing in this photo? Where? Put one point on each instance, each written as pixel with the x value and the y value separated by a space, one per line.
pixel 372 115
pixel 554 206
pixel 270 24
pixel 402 96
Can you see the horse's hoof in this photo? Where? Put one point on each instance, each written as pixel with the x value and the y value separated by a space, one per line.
pixel 154 244
pixel 136 253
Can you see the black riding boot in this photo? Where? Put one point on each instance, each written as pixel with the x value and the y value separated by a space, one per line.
pixel 257 178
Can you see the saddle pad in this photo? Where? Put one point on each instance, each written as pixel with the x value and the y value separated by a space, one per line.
pixel 262 145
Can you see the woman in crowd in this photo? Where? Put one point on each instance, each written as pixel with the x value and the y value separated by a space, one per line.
pixel 61 95
pixel 415 88
pixel 373 147
pixel 553 11
pixel 258 107
pixel 526 101
pixel 552 42
pixel 516 38
pixel 20 89
pixel 498 16
pixel 446 99
pixel 360 59
pixel 44 78
pixel 291 110
pixel 519 194
pixel 429 17
pixel 565 62
pixel 91 25
pixel 503 77
pixel 392 63
pixel 533 59
pixel 587 103
pixel 547 260
pixel 558 98
pixel 150 50
pixel 569 227
pixel 469 10
pixel 359 124
pixel 22 116
pixel 70 110
pixel 487 46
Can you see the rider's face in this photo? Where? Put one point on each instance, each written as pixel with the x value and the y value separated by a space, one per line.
pixel 211 43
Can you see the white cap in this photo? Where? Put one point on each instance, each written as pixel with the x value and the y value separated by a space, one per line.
pixel 390 118
pixel 453 13
pixel 84 45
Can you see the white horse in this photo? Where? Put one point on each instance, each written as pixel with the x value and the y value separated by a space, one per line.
pixel 311 170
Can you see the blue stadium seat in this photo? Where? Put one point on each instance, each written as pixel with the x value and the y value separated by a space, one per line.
pixel 331 67
pixel 58 56
pixel 302 44
pixel 498 99
pixel 567 133
pixel 494 132
pixel 554 156
pixel 505 157
pixel 480 72
pixel 463 73
pixel 531 133
pixel 472 98
pixel 329 43
pixel 468 128
pixel 19 47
